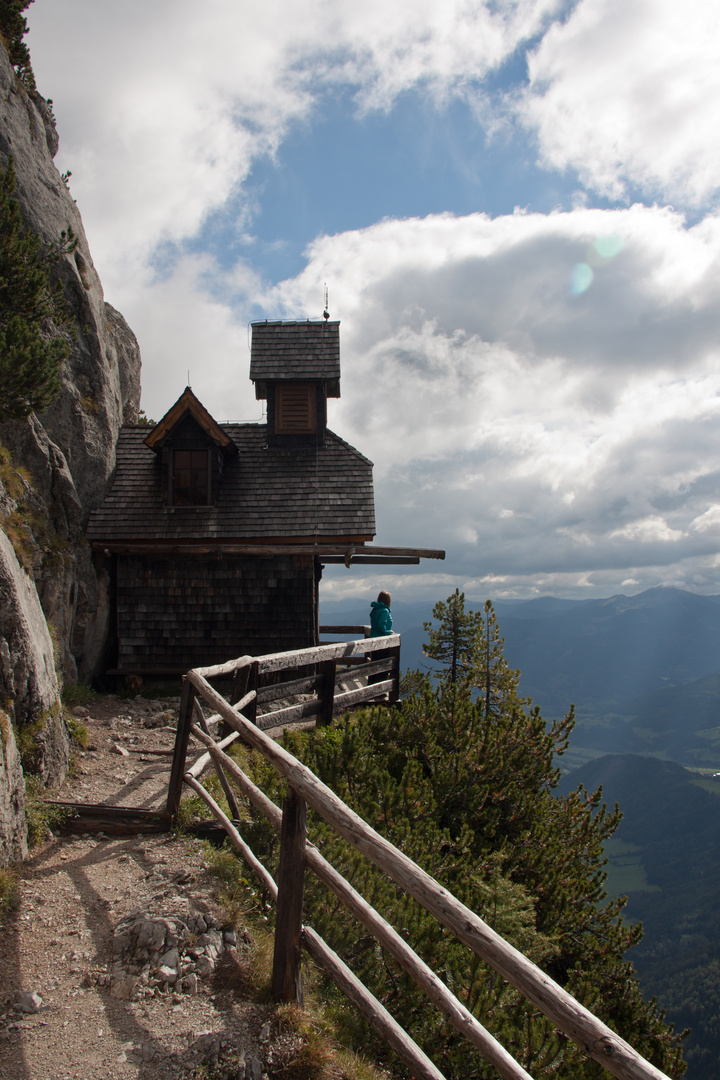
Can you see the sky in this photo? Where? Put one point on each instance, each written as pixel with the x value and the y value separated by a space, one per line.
pixel 515 205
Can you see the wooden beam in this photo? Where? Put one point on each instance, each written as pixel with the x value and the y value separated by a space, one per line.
pixel 399 560
pixel 290 715
pixel 342 550
pixel 107 818
pixel 338 650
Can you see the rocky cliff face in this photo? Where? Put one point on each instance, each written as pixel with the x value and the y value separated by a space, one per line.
pixel 65 457
pixel 69 451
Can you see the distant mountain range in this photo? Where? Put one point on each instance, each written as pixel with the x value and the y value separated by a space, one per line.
pixel 643 671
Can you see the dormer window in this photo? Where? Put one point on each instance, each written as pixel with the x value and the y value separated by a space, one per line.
pixel 295 408
pixel 191 480
pixel 191 448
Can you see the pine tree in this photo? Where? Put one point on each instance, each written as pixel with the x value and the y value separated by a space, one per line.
pixel 32 311
pixel 13 27
pixel 452 643
pixel 466 789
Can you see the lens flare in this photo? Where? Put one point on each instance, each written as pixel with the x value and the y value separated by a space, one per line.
pixel 580 278
pixel 608 247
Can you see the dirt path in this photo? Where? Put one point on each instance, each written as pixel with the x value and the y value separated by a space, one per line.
pixel 105 1015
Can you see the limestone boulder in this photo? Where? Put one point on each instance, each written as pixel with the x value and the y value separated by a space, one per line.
pixel 28 683
pixel 13 829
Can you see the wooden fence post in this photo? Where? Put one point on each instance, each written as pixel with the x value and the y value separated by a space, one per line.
pixel 251 710
pixel 327 671
pixel 287 978
pixel 181 744
pixel 395 674
pixel 239 684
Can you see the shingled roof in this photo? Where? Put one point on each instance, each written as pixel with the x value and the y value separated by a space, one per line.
pixel 265 492
pixel 295 350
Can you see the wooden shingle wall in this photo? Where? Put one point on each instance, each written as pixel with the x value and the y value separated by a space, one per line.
pixel 174 614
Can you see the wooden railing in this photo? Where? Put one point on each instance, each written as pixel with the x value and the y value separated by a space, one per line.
pixel 291 936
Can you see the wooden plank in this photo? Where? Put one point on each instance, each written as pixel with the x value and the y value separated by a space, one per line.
pixel 281 690
pixel 425 977
pixel 287 976
pixel 376 667
pixel 288 716
pixel 108 818
pixel 596 1038
pixel 376 1014
pixel 350 698
pixel 181 744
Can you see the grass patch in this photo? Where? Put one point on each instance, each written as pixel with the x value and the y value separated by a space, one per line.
pixel 79 734
pixel 15 480
pixel 9 893
pixel 79 694
pixel 41 817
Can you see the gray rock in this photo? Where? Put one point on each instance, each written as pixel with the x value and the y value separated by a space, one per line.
pixel 253 1068
pixel 28 1003
pixel 13 826
pixel 171 959
pixel 28 681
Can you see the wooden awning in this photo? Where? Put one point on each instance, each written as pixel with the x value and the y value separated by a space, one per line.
pixel 327 553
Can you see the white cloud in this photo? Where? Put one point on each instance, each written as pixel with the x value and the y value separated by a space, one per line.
pixel 164 107
pixel 522 427
pixel 625 92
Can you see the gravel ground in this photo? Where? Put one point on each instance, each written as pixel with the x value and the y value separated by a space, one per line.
pixel 59 946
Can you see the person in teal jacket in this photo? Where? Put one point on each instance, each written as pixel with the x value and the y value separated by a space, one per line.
pixel 380 616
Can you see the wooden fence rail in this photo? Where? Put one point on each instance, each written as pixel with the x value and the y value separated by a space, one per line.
pixel 305 789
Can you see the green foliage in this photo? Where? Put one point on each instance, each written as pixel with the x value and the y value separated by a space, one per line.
pixel 79 694
pixel 79 735
pixel 40 815
pixel 9 893
pixel 15 479
pixel 26 737
pixel 462 780
pixel 13 28
pixel 32 311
